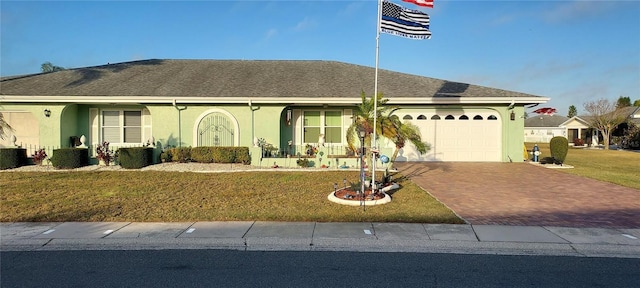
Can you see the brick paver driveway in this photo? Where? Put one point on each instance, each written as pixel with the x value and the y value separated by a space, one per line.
pixel 525 194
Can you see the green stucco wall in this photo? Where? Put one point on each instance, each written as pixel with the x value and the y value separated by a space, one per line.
pixel 175 126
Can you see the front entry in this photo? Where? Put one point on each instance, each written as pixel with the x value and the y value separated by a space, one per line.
pixel 216 129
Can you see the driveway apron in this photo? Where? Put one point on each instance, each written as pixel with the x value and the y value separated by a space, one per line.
pixel 525 194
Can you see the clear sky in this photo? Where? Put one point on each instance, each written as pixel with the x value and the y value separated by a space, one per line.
pixel 570 51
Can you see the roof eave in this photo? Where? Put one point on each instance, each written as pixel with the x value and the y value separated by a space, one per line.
pixel 265 100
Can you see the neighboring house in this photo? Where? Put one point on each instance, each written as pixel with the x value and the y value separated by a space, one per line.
pixel 289 104
pixel 634 115
pixel 541 128
pixel 577 127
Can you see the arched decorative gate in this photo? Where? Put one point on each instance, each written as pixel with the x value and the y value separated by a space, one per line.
pixel 215 129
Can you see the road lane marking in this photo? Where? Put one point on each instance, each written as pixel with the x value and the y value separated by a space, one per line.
pixel 107 232
pixel 367 232
pixel 190 230
pixel 630 236
pixel 48 231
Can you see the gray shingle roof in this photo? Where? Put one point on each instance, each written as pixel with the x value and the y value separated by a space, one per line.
pixel 238 78
pixel 545 120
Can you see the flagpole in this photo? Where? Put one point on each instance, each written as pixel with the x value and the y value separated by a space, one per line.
pixel 375 98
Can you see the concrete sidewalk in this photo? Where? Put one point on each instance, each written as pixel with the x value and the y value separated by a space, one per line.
pixel 321 236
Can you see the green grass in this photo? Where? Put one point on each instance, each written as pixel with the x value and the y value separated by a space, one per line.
pixel 146 196
pixel 614 166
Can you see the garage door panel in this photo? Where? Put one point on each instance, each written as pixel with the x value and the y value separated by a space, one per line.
pixel 25 128
pixel 458 140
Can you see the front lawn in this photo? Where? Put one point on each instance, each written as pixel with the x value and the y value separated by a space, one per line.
pixel 185 196
pixel 614 166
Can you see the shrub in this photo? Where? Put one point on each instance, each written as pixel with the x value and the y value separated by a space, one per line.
pixel 549 160
pixel 202 154
pixel 207 154
pixel 166 156
pixel 631 138
pixel 12 158
pixel 559 147
pixel 242 155
pixel 104 154
pixel 135 157
pixel 303 162
pixel 578 142
pixel 39 156
pixel 70 158
pixel 224 155
pixel 181 154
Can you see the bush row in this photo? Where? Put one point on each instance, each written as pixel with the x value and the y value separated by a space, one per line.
pixel 12 158
pixel 218 154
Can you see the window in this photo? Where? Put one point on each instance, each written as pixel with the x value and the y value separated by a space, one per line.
pixel 329 122
pixel 492 117
pixel 333 127
pixel 122 126
pixel 407 117
pixel 311 126
pixel 422 117
pixel 464 117
pixel 449 117
pixel 477 117
pixel 435 117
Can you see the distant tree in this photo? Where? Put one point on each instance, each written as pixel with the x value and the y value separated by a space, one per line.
pixel 604 117
pixel 573 111
pixel 4 126
pixel 47 67
pixel 636 103
pixel 623 102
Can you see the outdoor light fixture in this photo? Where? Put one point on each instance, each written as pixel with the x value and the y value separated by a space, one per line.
pixel 513 116
pixel 47 112
pixel 361 132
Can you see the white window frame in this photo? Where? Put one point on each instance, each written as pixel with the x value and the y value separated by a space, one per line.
pixel 323 125
pixel 121 126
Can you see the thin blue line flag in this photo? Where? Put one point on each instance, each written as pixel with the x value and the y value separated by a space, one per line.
pixel 404 22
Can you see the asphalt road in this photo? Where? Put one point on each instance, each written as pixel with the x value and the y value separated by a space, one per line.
pixel 230 268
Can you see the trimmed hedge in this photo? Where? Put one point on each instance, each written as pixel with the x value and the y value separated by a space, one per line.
pixel 12 158
pixel 242 155
pixel 181 154
pixel 559 147
pixel 202 154
pixel 70 158
pixel 209 154
pixel 135 157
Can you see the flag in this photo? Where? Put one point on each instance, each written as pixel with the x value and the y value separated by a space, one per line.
pixel 404 22
pixel 423 3
pixel 545 111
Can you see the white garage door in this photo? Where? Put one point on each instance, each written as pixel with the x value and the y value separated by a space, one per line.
pixel 473 135
pixel 25 128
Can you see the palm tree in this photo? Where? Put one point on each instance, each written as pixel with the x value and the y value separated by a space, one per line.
pixel 4 126
pixel 409 133
pixel 387 125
